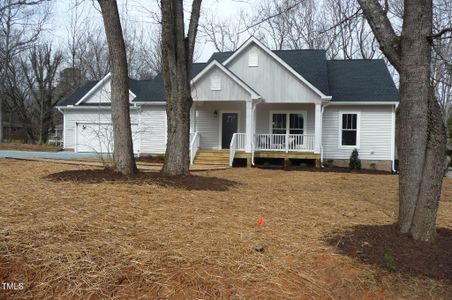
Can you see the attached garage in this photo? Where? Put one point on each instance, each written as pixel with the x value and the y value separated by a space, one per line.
pixel 98 137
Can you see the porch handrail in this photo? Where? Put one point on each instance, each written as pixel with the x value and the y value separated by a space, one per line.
pixel 232 149
pixel 284 142
pixel 194 145
pixel 238 142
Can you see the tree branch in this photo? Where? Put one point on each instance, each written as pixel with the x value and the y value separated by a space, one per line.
pixel 440 33
pixel 193 28
pixel 383 31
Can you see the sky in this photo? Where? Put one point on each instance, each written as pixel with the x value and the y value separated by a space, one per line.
pixel 140 13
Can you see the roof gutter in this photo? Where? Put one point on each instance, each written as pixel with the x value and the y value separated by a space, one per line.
pixel 364 102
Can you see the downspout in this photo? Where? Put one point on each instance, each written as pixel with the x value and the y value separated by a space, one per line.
pixel 394 111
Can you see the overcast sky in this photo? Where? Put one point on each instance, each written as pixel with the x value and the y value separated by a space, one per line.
pixel 139 12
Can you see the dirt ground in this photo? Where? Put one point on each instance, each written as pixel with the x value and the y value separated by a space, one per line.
pixel 71 232
pixel 29 147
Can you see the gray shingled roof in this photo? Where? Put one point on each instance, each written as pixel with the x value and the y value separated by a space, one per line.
pixel 344 80
pixel 361 80
pixel 311 64
pixel 77 94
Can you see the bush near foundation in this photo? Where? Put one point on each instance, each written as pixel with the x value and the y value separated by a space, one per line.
pixel 355 162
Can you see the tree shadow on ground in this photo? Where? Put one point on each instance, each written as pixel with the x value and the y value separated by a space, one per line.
pixel 383 246
pixel 192 182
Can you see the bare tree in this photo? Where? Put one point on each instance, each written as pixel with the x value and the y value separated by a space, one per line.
pixel 422 134
pixel 177 58
pixel 224 35
pixel 21 23
pixel 442 56
pixel 40 70
pixel 123 158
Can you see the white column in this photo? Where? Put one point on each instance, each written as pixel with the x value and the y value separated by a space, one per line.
pixel 193 118
pixel 249 125
pixel 318 128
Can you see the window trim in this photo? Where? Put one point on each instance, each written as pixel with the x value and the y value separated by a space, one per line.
pixel 358 129
pixel 251 63
pixel 215 83
pixel 287 113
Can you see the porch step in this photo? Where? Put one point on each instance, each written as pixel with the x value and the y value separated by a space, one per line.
pixel 212 157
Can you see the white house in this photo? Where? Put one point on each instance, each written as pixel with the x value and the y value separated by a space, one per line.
pixel 254 103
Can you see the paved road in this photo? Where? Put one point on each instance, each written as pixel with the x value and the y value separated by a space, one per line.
pixel 48 155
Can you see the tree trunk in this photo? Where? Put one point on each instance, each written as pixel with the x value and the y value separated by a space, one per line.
pixel 422 134
pixel 1 118
pixel 177 58
pixel 123 159
pixel 422 141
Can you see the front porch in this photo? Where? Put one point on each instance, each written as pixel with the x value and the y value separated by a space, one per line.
pixel 249 130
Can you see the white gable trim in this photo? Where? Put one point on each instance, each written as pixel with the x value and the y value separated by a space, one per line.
pixel 98 85
pixel 278 59
pixel 231 75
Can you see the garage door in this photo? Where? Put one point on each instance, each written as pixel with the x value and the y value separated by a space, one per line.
pixel 96 137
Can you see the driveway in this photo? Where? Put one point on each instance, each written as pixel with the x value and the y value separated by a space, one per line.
pixel 48 155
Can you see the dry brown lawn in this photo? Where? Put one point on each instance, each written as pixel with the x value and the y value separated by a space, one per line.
pixel 70 232
pixel 29 147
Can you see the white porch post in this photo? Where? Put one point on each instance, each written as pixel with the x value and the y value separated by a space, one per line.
pixel 193 117
pixel 249 126
pixel 318 128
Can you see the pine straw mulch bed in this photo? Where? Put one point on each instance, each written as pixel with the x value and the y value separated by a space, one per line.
pixel 29 147
pixel 74 232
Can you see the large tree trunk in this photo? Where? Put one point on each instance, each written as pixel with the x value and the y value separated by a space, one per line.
pixel 1 118
pixel 177 58
pixel 422 134
pixel 123 159
pixel 422 141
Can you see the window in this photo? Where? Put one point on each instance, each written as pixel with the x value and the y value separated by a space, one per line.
pixel 253 60
pixel 279 123
pixel 215 83
pixel 349 129
pixel 294 126
pixel 296 123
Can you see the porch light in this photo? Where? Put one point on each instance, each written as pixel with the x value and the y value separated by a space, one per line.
pixel 215 113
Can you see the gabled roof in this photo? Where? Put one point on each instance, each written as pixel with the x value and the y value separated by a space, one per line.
pixel 253 40
pixel 311 64
pixel 361 80
pixel 77 94
pixel 342 80
pixel 230 74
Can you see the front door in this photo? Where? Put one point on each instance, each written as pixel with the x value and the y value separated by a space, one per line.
pixel 229 127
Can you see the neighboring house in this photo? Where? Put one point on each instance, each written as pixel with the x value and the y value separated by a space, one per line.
pixel 13 129
pixel 256 103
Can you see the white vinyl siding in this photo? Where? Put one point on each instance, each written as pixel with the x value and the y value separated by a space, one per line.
pixel 208 126
pixel 375 131
pixel 270 79
pixel 229 89
pixel 102 94
pixel 153 129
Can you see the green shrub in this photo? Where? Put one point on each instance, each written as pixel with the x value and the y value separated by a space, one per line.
pixel 390 262
pixel 355 162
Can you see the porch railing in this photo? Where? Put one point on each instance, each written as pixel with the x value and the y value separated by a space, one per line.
pixel 284 142
pixel 238 141
pixel 195 138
